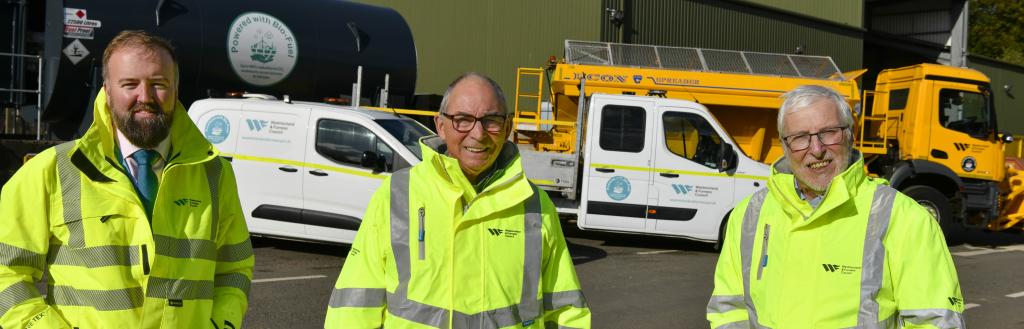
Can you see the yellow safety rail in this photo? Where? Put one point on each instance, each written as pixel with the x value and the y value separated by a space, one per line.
pixel 402 111
pixel 1015 149
pixel 532 115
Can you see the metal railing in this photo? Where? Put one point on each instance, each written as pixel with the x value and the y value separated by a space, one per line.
pixel 38 91
pixel 699 59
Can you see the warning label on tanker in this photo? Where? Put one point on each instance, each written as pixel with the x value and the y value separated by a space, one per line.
pixel 261 48
pixel 79 17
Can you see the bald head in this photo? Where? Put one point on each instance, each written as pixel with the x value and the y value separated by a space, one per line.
pixel 474 123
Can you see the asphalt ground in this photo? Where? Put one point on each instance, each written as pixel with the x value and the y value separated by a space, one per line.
pixel 630 281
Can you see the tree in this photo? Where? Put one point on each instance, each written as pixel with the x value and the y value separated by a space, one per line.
pixel 997 29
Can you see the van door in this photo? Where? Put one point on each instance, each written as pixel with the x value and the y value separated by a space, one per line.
pixel 268 167
pixel 337 186
pixel 617 169
pixel 689 195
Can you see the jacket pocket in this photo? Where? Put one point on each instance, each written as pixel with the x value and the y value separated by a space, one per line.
pixel 763 261
pixel 96 230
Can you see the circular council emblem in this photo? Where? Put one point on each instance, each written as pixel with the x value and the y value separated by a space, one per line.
pixel 261 48
pixel 217 129
pixel 969 164
pixel 617 188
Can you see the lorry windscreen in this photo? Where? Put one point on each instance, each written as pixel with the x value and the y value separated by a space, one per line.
pixel 408 132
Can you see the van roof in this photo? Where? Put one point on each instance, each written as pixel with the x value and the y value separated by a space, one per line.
pixel 361 111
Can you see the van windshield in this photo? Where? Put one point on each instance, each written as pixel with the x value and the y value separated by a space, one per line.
pixel 406 131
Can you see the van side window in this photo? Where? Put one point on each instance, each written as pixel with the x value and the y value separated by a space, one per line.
pixel 691 136
pixel 964 111
pixel 622 128
pixel 346 142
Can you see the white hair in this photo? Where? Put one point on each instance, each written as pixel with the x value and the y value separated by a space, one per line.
pixel 804 96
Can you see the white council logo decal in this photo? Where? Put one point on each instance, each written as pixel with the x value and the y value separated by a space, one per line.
pixel 261 48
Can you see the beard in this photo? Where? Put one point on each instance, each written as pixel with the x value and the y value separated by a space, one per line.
pixel 820 182
pixel 145 133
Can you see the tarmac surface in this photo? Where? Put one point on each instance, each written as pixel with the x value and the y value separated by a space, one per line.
pixel 630 281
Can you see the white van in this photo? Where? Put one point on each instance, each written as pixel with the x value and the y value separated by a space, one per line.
pixel 307 170
pixel 650 165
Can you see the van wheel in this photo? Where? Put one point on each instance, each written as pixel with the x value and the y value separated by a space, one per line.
pixel 938 206
pixel 721 233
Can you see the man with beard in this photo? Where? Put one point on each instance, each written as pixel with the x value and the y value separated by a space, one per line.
pixel 826 246
pixel 462 239
pixel 137 224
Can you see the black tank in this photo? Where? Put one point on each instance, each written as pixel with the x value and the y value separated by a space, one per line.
pixel 308 50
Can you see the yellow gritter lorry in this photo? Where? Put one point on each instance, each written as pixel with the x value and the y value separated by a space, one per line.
pixel 929 129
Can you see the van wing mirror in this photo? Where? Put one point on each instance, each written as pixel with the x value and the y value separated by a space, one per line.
pixel 729 159
pixel 373 161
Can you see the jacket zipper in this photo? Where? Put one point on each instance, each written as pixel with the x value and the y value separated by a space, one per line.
pixel 764 252
pixel 145 260
pixel 422 235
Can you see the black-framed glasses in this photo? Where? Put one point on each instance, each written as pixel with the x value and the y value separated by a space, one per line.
pixel 827 136
pixel 463 123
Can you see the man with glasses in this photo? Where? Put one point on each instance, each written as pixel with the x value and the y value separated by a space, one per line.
pixel 826 246
pixel 462 239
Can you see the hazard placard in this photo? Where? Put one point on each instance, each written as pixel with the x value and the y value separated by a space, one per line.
pixel 76 51
pixel 80 18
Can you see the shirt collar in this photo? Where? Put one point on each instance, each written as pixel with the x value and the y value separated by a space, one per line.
pixel 815 201
pixel 127 148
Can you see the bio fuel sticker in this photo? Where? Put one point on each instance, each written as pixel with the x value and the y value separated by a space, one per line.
pixel 618 188
pixel 261 48
pixel 78 32
pixel 217 129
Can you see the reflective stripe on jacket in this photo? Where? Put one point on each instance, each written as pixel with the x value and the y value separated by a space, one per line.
pixel 73 213
pixel 867 257
pixel 432 253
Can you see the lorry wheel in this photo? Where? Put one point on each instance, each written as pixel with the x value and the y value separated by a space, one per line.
pixel 938 205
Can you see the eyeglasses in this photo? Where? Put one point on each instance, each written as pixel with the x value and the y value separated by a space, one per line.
pixel 827 136
pixel 493 123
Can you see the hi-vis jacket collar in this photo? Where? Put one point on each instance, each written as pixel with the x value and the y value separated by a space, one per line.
pixel 511 185
pixel 101 133
pixel 842 188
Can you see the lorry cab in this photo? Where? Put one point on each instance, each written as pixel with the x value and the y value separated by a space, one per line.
pixel 662 167
pixel 307 170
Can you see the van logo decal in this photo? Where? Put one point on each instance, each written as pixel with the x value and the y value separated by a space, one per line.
pixel 261 48
pixel 256 125
pixel 637 78
pixel 682 189
pixel 217 129
pixel 618 188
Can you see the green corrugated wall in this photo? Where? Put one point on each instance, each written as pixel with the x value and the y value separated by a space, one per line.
pixel 1009 103
pixel 491 37
pixel 733 26
pixel 846 12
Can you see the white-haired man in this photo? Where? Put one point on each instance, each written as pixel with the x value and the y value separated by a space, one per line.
pixel 826 246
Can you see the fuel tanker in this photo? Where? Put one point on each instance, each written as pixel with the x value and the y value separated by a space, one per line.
pixel 51 59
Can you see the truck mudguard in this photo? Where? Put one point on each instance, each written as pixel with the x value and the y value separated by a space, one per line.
pixel 907 169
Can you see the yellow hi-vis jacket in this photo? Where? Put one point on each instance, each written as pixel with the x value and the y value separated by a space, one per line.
pixel 867 257
pixel 432 253
pixel 73 213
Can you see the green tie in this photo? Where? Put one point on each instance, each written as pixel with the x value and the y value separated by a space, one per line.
pixel 145 178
